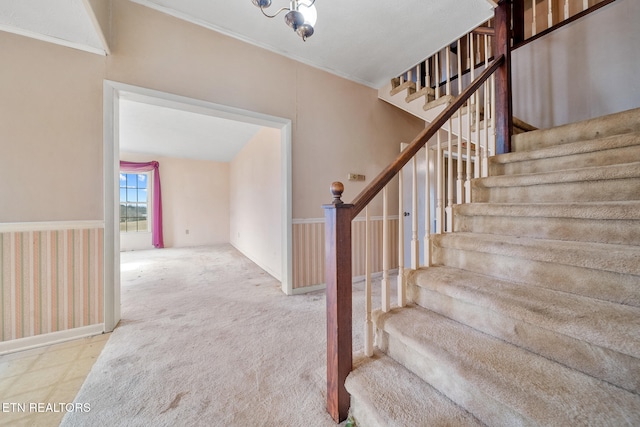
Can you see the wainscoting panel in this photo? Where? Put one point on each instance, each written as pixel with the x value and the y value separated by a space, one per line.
pixel 308 249
pixel 50 280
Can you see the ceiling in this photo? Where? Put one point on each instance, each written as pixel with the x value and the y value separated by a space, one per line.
pixel 174 132
pixel 364 41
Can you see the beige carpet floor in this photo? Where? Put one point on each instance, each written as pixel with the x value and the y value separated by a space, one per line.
pixel 208 338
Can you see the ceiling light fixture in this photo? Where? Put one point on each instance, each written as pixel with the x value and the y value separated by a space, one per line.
pixel 301 15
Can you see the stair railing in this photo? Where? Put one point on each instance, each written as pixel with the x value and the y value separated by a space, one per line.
pixel 432 76
pixel 470 133
pixel 338 218
pixel 468 140
pixel 530 23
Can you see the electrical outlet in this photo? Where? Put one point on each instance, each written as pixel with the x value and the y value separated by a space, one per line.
pixel 186 231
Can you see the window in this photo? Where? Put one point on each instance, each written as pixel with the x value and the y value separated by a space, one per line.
pixel 133 202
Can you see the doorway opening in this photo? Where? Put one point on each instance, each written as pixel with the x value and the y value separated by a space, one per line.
pixel 114 94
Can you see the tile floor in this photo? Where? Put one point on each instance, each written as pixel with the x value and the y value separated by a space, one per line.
pixel 51 374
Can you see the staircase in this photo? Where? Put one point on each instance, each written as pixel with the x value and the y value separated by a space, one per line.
pixel 531 312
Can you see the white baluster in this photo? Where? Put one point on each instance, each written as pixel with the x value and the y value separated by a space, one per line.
pixel 415 243
pixel 493 114
pixel 472 58
pixel 437 67
pixel 427 68
pixel 386 298
pixel 585 4
pixel 419 77
pixel 485 160
pixel 427 209
pixel 478 156
pixel 439 183
pixel 368 324
pixel 401 288
pixel 566 9
pixel 448 69
pixel 534 30
pixel 449 210
pixel 467 184
pixel 459 181
pixel 550 14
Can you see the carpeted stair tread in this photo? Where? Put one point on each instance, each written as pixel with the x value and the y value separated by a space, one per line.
pixel 613 124
pixel 612 182
pixel 610 172
pixel 596 337
pixel 623 259
pixel 615 149
pixel 605 210
pixel 497 382
pixel 615 222
pixel 614 326
pixel 384 393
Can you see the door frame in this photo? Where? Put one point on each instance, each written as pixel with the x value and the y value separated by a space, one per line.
pixel 113 91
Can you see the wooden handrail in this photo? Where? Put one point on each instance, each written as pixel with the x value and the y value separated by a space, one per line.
pixel 380 181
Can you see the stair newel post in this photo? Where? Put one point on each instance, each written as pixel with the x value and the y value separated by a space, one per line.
pixel 504 108
pixel 338 293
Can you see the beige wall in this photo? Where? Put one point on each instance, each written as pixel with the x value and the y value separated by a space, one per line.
pixel 195 197
pixel 256 201
pixel 338 125
pixel 50 132
pixel 52 111
pixel 586 69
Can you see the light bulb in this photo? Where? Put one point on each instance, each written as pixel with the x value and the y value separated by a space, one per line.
pixel 309 12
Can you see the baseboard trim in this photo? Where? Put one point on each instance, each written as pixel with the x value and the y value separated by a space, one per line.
pixel 307 289
pixel 27 343
pixel 355 279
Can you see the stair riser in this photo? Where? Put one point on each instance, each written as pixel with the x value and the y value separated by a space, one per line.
pixel 579 191
pixel 588 358
pixel 626 232
pixel 599 284
pixel 599 158
pixel 363 414
pixel 376 381
pixel 449 380
pixel 624 122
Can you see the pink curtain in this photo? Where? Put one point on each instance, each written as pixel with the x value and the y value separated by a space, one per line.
pixel 156 199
